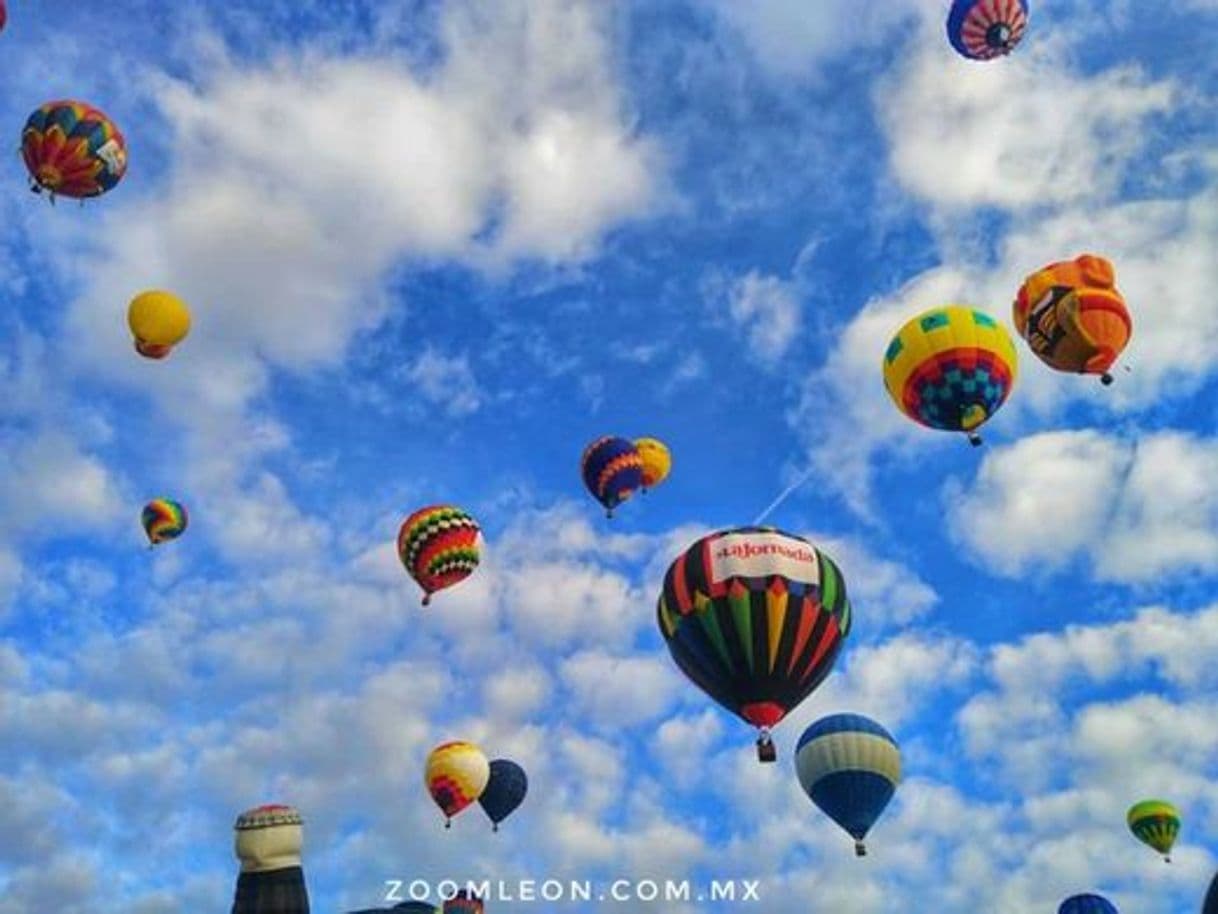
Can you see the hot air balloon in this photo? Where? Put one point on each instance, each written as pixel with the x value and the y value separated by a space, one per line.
pixel 612 470
pixel 439 547
pixel 1073 317
pixel 1087 904
pixel 73 150
pixel 464 902
pixel 457 774
pixel 950 368
pixel 1155 823
pixel 403 907
pixel 657 461
pixel 849 766
pixel 163 519
pixel 269 841
pixel 3 16
pixel 755 618
pixel 983 29
pixel 158 322
pixel 1211 897
pixel 504 792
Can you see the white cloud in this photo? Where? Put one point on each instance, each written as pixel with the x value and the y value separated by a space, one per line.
pixel 768 310
pixel 447 382
pixel 617 692
pixel 1136 510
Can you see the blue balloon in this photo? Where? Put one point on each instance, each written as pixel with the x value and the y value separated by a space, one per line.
pixel 505 791
pixel 612 470
pixel 1087 904
pixel 1211 898
pixel 982 29
pixel 849 766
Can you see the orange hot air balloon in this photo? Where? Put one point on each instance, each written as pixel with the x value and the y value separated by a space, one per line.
pixel 1072 316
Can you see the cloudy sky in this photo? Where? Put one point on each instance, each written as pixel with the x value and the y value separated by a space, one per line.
pixel 432 249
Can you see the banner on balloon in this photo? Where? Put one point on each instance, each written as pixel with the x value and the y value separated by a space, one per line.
pixel 758 555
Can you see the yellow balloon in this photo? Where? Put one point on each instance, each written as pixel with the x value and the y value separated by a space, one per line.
pixel 657 461
pixel 158 321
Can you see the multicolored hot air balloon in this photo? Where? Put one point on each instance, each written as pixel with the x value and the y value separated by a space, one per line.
pixel 1073 317
pixel 73 150
pixel 158 322
pixel 269 842
pixel 755 618
pixel 950 368
pixel 457 773
pixel 163 519
pixel 1087 904
pixel 849 766
pixel 984 29
pixel 464 902
pixel 438 545
pixel 657 461
pixel 612 470
pixel 1155 823
pixel 504 792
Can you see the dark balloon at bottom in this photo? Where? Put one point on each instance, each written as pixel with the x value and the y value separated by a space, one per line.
pixel 1211 898
pixel 405 907
pixel 505 791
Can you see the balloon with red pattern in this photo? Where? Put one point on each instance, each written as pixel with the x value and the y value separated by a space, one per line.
pixel 438 545
pixel 984 29
pixel 73 150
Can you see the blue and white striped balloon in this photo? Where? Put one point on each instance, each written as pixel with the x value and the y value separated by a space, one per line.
pixel 850 767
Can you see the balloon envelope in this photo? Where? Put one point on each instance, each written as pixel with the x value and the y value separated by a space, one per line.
pixel 755 618
pixel 438 545
pixel 158 321
pixel 849 766
pixel 984 29
pixel 505 790
pixel 1072 316
pixel 612 469
pixel 950 368
pixel 657 461
pixel 163 519
pixel 457 772
pixel 1087 904
pixel 72 149
pixel 1155 823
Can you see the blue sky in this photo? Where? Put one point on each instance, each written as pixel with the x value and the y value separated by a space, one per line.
pixel 432 249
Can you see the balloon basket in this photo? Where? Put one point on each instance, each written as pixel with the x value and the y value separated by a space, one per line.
pixel 860 849
pixel 974 439
pixel 1106 379
pixel 766 752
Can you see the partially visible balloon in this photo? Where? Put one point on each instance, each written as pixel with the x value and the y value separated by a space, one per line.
pixel 612 469
pixel 1211 897
pixel 438 545
pixel 269 841
pixel 849 766
pixel 3 16
pixel 465 902
pixel 73 150
pixel 657 461
pixel 1087 904
pixel 984 29
pixel 950 368
pixel 158 322
pixel 404 907
pixel 755 618
pixel 163 519
pixel 456 775
pixel 1073 317
pixel 504 792
pixel 1156 824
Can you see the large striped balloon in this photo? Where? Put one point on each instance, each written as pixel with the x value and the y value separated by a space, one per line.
pixel 1087 904
pixel 73 150
pixel 163 519
pixel 950 368
pixel 457 773
pixel 438 545
pixel 849 766
pixel 755 618
pixel 984 29
pixel 1155 823
pixel 612 470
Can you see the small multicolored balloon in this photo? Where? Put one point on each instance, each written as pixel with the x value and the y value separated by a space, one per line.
pixel 438 545
pixel 456 775
pixel 657 461
pixel 849 766
pixel 1155 823
pixel 163 519
pixel 951 368
pixel 464 902
pixel 1087 904
pixel 505 791
pixel 73 150
pixel 984 29
pixel 158 321
pixel 1073 317
pixel 612 470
